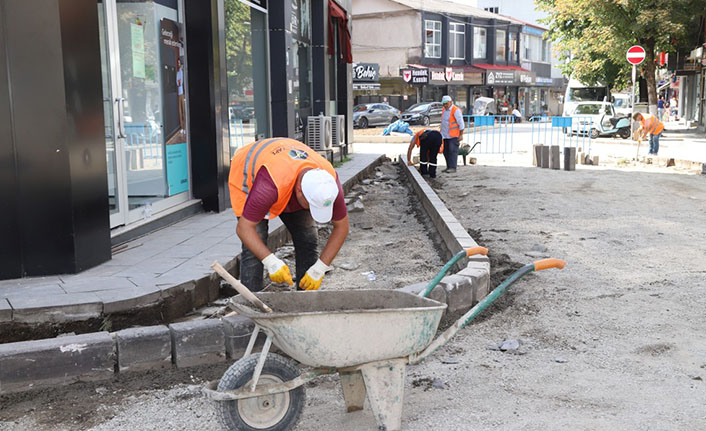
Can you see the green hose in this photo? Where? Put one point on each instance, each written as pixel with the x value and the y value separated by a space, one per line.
pixel 427 290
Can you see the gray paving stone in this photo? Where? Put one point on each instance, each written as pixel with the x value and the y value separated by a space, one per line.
pixel 544 161
pixel 5 311
pixel 119 300
pixel 46 289
pixel 554 157
pixel 145 348
pixel 197 342
pixel 459 292
pixel 92 284
pixel 32 364
pixel 238 330
pixel 55 308
pixel 437 294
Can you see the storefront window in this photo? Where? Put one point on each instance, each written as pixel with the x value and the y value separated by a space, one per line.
pixel 457 41
pixel 301 63
pixel 462 100
pixel 499 45
pixel 479 42
pixel 545 51
pixel 246 57
pixel 432 41
pixel 512 47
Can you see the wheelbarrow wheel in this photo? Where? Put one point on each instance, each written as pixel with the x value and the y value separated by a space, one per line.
pixel 276 412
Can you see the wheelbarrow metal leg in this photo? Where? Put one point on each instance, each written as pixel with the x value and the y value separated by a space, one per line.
pixel 261 361
pixel 384 381
pixel 251 343
pixel 353 390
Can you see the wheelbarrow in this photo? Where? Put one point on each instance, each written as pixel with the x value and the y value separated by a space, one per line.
pixel 366 336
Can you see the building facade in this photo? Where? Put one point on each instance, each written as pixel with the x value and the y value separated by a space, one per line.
pixel 425 49
pixel 125 116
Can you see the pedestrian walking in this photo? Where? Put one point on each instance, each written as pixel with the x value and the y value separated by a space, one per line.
pixel 674 107
pixel 660 108
pixel 649 124
pixel 283 177
pixel 452 132
pixel 430 144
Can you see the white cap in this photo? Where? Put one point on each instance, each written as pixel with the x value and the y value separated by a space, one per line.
pixel 320 190
pixel 446 99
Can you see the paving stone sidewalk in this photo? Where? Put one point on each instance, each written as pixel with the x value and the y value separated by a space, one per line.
pixel 143 271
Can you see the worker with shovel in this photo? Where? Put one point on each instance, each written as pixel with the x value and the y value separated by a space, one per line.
pixel 649 124
pixel 283 177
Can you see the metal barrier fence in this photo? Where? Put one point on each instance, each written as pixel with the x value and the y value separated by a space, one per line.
pixel 145 138
pixel 489 134
pixel 563 131
pixel 237 133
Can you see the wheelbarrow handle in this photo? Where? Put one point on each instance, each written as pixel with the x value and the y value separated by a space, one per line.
pixel 543 264
pixel 483 304
pixel 468 252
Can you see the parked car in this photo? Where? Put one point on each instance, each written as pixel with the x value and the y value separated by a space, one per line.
pixel 423 113
pixel 622 105
pixel 374 114
pixel 588 117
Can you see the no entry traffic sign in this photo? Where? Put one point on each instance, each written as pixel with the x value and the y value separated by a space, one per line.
pixel 635 54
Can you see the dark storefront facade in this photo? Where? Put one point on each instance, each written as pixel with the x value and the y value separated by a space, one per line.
pixel 126 116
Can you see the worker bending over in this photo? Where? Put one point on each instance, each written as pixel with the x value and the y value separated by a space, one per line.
pixel 430 143
pixel 283 177
pixel 649 124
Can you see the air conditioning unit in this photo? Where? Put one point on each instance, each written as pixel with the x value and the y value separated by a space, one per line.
pixel 318 132
pixel 338 130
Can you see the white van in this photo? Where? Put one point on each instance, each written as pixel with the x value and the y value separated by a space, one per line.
pixel 622 105
pixel 578 92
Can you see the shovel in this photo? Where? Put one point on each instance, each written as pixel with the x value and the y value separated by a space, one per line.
pixel 247 294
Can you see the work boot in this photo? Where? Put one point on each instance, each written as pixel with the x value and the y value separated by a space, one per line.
pixel 450 171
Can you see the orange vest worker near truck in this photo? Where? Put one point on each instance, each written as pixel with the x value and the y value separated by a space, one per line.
pixel 283 177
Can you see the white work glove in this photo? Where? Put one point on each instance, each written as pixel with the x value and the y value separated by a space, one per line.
pixel 313 277
pixel 277 269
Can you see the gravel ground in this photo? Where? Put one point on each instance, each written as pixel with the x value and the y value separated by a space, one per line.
pixel 614 341
pixel 388 237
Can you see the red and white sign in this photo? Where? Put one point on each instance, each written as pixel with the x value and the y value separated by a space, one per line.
pixel 635 54
pixel 406 75
pixel 449 73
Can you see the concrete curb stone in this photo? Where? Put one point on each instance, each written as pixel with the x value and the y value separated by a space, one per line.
pixel 33 364
pixel 5 311
pixel 471 284
pixel 197 342
pixel 146 348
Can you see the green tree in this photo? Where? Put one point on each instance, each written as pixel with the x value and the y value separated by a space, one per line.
pixel 594 35
pixel 239 68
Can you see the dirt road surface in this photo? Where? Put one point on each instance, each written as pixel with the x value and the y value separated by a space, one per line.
pixel 614 341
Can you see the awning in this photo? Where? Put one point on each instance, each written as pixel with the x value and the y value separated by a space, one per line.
pixel 499 67
pixel 344 36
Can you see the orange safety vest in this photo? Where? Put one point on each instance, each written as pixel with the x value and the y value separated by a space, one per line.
pixel 419 135
pixel 454 128
pixel 651 124
pixel 283 158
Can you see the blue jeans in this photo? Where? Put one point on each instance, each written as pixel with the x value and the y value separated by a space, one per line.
pixel 654 143
pixel 305 237
pixel 660 113
pixel 451 152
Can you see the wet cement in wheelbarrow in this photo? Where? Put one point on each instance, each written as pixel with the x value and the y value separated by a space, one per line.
pixel 389 237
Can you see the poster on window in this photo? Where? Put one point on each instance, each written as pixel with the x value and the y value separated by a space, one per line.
pixel 173 104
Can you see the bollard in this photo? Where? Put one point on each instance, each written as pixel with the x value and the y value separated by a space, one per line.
pixel 544 159
pixel 536 154
pixel 554 157
pixel 595 160
pixel 569 159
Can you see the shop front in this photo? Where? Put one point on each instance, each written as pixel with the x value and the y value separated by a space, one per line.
pixel 510 87
pixel 366 79
pixel 457 82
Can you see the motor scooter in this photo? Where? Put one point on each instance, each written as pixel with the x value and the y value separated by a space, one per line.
pixel 614 126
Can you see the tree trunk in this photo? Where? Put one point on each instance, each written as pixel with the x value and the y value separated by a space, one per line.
pixel 650 75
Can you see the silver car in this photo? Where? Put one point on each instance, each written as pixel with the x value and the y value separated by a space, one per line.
pixel 374 114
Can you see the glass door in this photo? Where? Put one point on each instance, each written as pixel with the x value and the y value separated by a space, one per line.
pixel 142 53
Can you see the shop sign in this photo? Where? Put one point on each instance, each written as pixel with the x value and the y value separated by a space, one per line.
pixel 366 86
pixel 415 76
pixel 448 74
pixel 495 77
pixel 365 72
pixel 543 81
pixel 524 78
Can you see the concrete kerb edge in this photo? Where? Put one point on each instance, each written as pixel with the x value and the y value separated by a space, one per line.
pixel 472 281
pixel 35 351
